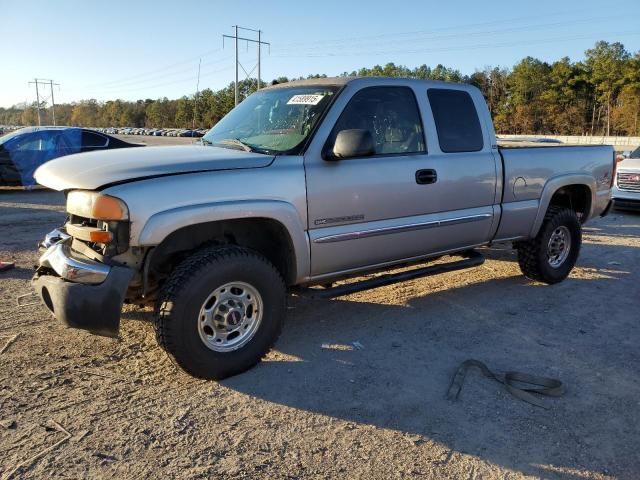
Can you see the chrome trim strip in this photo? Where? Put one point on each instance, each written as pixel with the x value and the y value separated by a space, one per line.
pixel 374 232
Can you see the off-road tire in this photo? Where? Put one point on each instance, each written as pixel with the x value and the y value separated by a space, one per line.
pixel 179 302
pixel 532 254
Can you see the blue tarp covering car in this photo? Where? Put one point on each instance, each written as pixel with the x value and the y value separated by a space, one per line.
pixel 24 150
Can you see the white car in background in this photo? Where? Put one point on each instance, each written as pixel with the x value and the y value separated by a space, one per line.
pixel 626 190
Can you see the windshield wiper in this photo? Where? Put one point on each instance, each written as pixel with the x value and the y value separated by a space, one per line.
pixel 237 142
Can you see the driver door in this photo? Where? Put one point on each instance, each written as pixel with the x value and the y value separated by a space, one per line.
pixel 349 199
pixel 400 203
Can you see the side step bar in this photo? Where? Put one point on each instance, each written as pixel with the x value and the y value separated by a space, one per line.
pixel 472 259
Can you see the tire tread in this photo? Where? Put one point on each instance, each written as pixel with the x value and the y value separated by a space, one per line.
pixel 530 251
pixel 173 288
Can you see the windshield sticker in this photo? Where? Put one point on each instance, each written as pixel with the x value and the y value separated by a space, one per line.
pixel 305 100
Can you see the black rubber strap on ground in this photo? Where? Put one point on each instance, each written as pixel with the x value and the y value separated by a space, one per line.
pixel 520 385
pixel 5 266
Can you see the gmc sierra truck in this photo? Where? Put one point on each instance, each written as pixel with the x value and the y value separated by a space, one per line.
pixel 626 189
pixel 301 185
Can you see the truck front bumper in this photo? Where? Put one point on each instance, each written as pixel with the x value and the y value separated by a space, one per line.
pixel 626 199
pixel 81 292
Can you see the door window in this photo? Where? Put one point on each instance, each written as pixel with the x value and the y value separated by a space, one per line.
pixel 390 114
pixel 37 141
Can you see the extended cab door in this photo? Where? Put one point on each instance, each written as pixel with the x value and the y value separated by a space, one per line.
pixel 425 190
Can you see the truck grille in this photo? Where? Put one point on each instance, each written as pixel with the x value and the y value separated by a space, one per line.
pixel 629 181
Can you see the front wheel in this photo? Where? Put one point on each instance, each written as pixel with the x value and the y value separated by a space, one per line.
pixel 221 311
pixel 552 254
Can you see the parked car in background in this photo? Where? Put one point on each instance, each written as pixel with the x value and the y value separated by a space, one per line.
pixel 24 150
pixel 626 190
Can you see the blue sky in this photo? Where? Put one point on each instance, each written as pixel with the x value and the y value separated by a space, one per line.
pixel 144 49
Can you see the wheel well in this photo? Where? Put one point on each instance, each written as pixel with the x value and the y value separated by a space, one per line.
pixel 266 236
pixel 574 197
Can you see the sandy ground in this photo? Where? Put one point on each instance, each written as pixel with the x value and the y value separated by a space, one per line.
pixel 336 411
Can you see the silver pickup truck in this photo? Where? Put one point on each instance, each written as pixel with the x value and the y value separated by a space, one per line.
pixel 301 185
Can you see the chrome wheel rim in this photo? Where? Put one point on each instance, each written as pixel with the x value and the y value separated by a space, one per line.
pixel 230 316
pixel 559 246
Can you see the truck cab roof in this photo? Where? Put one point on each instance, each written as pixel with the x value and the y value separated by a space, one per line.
pixel 373 81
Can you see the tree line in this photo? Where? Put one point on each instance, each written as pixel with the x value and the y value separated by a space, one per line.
pixel 599 95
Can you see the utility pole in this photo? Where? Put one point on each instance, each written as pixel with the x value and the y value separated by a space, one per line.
pixel 37 99
pixel 259 42
pixel 195 103
pixel 259 45
pixel 37 82
pixel 53 103
pixel 237 63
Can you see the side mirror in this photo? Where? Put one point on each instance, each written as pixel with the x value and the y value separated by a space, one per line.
pixel 353 143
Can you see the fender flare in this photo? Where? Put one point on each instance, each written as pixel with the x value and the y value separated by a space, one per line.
pixel 162 224
pixel 552 186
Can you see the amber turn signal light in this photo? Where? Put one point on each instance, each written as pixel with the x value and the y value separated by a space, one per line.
pixel 101 236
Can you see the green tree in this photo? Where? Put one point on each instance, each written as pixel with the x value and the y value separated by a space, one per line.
pixel 606 62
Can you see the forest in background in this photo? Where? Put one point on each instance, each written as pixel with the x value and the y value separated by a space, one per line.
pixel 599 95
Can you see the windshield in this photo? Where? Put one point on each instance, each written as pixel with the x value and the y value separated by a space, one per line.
pixel 272 121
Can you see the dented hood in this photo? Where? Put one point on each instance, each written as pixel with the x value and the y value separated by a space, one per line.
pixel 93 170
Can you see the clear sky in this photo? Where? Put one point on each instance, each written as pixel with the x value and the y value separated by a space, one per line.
pixel 150 49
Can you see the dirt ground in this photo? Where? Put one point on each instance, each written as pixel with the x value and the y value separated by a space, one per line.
pixel 74 405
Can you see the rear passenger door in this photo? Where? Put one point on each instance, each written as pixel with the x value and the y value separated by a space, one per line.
pixel 408 200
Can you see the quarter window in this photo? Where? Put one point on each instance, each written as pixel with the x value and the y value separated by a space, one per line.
pixel 390 114
pixel 90 139
pixel 456 120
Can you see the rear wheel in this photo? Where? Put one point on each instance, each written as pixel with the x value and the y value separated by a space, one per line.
pixel 221 311
pixel 552 254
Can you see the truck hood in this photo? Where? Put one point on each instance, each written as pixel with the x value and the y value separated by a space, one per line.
pixel 92 170
pixel 629 164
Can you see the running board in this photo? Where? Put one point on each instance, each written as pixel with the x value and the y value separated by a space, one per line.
pixel 472 259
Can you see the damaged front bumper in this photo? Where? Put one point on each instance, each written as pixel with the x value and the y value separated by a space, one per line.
pixel 81 292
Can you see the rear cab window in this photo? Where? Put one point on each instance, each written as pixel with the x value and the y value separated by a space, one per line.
pixel 456 119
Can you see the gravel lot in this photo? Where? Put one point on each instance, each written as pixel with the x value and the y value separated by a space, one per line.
pixel 320 408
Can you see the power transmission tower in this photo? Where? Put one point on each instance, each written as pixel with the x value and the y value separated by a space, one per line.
pixel 258 42
pixel 40 81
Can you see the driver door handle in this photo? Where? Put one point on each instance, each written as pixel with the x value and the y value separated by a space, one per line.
pixel 427 176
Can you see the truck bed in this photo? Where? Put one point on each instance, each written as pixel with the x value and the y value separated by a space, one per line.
pixel 528 166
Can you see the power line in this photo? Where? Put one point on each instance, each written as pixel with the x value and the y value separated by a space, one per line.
pixel 154 71
pixel 167 75
pixel 433 36
pixel 463 28
pixel 184 80
pixel 460 47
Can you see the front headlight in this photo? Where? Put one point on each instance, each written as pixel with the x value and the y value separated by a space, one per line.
pixel 96 205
